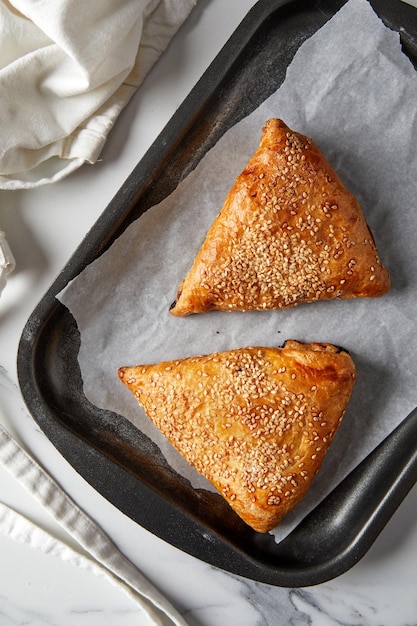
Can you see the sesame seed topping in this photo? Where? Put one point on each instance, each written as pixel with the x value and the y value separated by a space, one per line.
pixel 243 426
pixel 296 234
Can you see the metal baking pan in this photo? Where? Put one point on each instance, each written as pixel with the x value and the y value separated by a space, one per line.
pixel 114 456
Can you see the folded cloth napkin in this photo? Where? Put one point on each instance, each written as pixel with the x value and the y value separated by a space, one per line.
pixel 67 69
pixel 7 262
pixel 97 554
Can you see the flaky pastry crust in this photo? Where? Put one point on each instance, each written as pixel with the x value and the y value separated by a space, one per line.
pixel 289 232
pixel 256 422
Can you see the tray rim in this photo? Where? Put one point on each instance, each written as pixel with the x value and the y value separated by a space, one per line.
pixel 96 241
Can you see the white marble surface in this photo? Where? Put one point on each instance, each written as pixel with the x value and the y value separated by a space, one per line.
pixel 43 228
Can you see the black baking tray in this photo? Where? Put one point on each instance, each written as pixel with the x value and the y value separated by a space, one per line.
pixel 113 455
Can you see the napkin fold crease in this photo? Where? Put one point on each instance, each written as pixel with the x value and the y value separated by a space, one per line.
pixel 67 69
pixel 98 554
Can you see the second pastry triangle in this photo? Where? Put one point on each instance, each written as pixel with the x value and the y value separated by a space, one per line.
pixel 289 232
pixel 256 421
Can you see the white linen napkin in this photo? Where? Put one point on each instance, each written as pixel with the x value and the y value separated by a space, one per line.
pixel 98 553
pixel 7 262
pixel 67 69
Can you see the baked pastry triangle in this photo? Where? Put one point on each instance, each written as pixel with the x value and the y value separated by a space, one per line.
pixel 256 422
pixel 289 232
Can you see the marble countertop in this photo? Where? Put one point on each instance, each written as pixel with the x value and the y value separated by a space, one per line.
pixel 43 228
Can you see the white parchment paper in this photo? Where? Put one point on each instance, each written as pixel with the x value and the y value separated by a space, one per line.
pixel 351 89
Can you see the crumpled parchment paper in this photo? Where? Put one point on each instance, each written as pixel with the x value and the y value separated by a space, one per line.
pixel 352 89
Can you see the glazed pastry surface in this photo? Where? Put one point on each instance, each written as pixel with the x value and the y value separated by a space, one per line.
pixel 289 232
pixel 256 422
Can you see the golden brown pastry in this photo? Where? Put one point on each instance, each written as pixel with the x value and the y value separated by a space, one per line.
pixel 256 422
pixel 289 232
